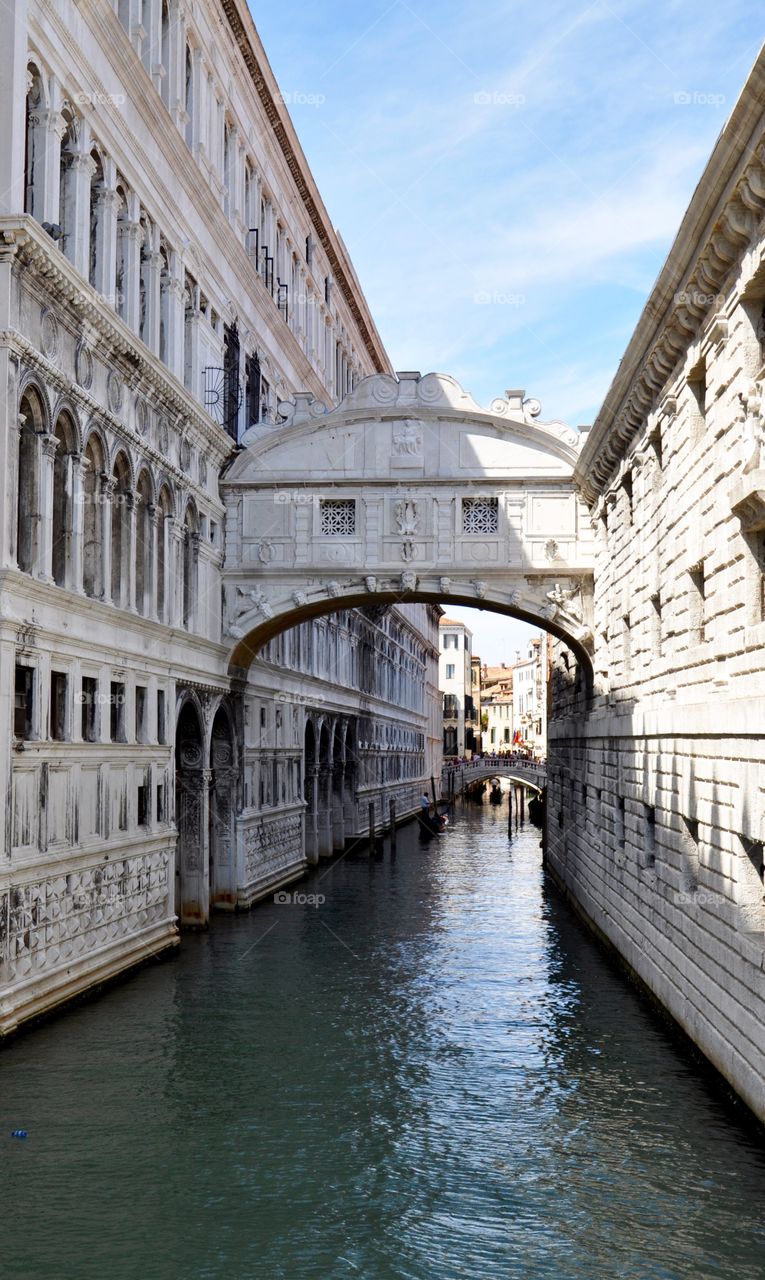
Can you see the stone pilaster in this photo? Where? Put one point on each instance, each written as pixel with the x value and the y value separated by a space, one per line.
pixel 129 238
pixel 13 98
pixel 79 171
pixel 155 523
pixel 107 487
pixel 132 501
pixel 107 204
pixel 48 445
pixel 46 130
pixel 78 466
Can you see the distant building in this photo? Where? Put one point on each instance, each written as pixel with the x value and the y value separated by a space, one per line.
pixel 476 692
pixel 497 705
pixel 530 698
pixel 456 683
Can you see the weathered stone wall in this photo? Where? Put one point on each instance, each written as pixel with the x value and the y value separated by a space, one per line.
pixel 656 819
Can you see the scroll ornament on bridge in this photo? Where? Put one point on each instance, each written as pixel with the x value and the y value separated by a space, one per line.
pixel 251 601
pixel 567 607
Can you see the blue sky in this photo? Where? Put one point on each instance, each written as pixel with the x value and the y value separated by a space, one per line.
pixel 508 177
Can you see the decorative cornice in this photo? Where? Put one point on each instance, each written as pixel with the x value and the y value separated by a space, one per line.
pixel 140 369
pixel 83 400
pixel 722 222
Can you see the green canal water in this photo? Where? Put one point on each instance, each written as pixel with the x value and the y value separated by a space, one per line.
pixel 429 1071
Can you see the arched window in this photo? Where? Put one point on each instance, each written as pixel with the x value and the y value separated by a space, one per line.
pixel 294 301
pixel 249 197
pixel 33 142
pixel 121 504
pixel 96 213
pixel 122 283
pixel 92 522
pixel 164 41
pixel 164 302
pixel 227 170
pixel 65 459
pixel 189 97
pixel 190 552
pixel 28 515
pixel 189 299
pixel 144 543
pixel 67 209
pixel 163 532
pixel 145 287
pixel 279 255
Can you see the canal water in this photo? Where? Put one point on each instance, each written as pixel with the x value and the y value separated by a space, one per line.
pixel 422 1068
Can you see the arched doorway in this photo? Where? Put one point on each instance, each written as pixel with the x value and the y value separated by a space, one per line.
pixel 192 869
pixel 222 863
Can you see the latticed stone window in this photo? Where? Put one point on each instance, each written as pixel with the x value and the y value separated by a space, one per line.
pixel 338 516
pixel 480 515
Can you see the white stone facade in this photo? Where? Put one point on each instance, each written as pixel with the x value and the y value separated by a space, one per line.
pixel 455 674
pixel 530 698
pixel 656 805
pixel 168 276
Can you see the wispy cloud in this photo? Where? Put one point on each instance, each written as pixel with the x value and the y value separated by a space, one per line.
pixel 537 155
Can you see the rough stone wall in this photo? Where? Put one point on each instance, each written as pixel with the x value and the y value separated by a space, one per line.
pixel 656 817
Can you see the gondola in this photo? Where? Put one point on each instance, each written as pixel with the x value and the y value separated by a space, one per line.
pixel 537 810
pixel 495 795
pixel 434 826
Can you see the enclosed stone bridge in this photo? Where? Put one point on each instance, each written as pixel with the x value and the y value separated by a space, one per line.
pixel 456 777
pixel 407 491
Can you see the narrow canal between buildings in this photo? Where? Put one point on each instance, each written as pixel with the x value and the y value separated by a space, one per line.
pixel 429 1071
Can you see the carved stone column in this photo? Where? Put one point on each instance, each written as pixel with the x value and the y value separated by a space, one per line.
pixel 132 501
pixel 47 129
pixel 14 87
pixel 193 809
pixel 155 523
pixel 192 623
pixel 174 574
pixel 107 204
pixel 129 240
pixel 76 243
pixel 191 346
pixel 48 446
pixel 173 88
pixel 77 466
pixel 107 488
pixel 171 309
pixel 151 263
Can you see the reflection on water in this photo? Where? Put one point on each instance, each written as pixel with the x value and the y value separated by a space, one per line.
pixel 431 1074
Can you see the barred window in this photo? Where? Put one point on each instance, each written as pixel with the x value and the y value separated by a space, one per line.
pixel 480 515
pixel 338 516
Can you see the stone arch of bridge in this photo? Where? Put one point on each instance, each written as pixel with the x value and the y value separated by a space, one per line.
pixel 407 492
pixel 247 646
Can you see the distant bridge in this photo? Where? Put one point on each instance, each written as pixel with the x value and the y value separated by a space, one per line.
pixel 527 773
